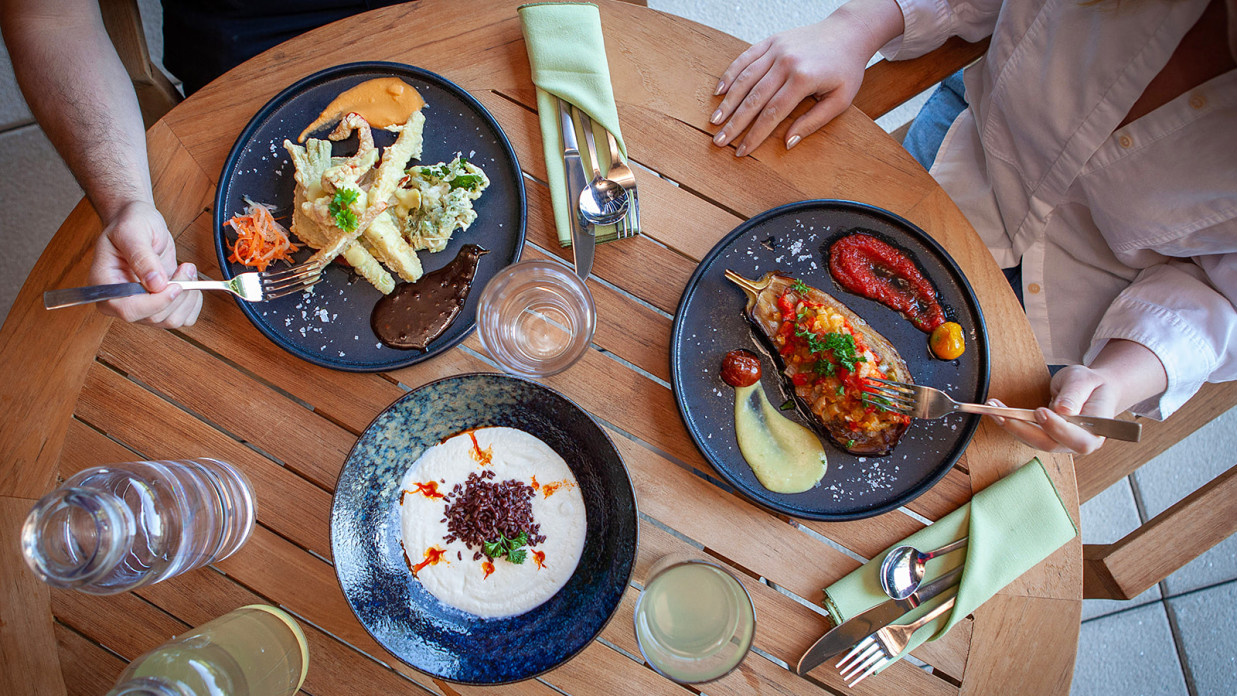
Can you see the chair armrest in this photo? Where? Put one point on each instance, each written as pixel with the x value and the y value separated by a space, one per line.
pixel 1164 544
pixel 888 84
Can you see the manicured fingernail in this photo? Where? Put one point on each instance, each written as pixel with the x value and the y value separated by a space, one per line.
pixel 720 138
pixel 794 140
pixel 741 151
pixel 192 271
pixel 716 118
pixel 1041 415
pixel 721 85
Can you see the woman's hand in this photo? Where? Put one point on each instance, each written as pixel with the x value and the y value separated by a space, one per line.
pixel 136 246
pixel 826 60
pixel 1123 374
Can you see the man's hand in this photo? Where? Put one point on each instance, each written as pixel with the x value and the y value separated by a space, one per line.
pixel 1122 375
pixel 826 60
pixel 136 246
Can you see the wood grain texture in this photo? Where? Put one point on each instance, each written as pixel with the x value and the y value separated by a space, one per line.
pixel 86 392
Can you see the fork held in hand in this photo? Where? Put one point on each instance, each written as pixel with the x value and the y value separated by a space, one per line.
pixel 252 287
pixel 875 651
pixel 925 402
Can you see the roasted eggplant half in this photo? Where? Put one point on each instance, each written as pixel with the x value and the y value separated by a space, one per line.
pixel 825 352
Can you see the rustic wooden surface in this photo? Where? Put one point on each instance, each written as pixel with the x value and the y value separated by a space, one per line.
pixel 81 390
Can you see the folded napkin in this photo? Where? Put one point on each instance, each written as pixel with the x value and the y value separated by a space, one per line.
pixel 1013 524
pixel 568 57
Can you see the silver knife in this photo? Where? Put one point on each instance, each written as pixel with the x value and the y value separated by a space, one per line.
pixel 844 636
pixel 582 239
pixel 69 297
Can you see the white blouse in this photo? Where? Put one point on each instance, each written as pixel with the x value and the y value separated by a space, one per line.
pixel 1126 233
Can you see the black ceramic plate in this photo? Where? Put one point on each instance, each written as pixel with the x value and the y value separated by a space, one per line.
pixel 397 610
pixel 330 327
pixel 709 322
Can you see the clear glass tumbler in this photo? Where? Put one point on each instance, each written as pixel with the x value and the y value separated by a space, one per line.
pixel 112 528
pixel 695 620
pixel 256 650
pixel 536 318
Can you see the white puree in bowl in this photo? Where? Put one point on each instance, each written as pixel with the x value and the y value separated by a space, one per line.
pixel 557 506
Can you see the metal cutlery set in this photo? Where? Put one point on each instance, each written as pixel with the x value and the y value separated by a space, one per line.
pixel 604 200
pixel 871 637
pixel 252 287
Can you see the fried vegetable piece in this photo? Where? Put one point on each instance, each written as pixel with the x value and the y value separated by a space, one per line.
pixel 826 351
pixel 446 194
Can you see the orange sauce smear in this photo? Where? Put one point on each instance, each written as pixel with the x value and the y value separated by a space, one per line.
pixel 539 557
pixel 553 487
pixel 432 555
pixel 382 102
pixel 487 567
pixel 536 486
pixel 484 457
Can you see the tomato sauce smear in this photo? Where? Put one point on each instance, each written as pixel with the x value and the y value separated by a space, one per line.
pixel 869 267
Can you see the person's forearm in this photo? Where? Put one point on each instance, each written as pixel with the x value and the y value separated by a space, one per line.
pixel 876 22
pixel 81 95
pixel 1133 369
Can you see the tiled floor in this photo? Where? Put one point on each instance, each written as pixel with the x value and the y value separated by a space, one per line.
pixel 1177 638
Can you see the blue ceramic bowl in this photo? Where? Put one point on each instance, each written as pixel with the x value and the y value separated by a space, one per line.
pixel 412 624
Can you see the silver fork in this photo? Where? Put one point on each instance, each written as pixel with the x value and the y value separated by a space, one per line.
pixel 252 287
pixel 925 402
pixel 622 174
pixel 875 651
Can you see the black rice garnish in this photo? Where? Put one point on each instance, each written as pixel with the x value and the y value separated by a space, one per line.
pixel 481 510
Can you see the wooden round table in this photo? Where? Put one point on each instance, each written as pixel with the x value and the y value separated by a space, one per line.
pixel 82 390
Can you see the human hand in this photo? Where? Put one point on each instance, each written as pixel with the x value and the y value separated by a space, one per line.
pixel 1075 389
pixel 1123 374
pixel 826 60
pixel 136 246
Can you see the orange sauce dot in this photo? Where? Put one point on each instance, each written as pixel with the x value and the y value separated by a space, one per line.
pixel 487 567
pixel 429 490
pixel 539 557
pixel 432 555
pixel 551 488
pixel 536 485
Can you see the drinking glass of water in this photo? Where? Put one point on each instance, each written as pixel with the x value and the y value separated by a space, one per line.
pixel 694 620
pixel 536 318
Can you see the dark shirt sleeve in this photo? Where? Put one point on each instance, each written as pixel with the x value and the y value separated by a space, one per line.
pixel 203 39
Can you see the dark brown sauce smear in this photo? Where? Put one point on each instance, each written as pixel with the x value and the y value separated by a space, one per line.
pixel 414 314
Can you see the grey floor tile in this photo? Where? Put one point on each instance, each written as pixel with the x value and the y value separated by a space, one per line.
pixel 749 21
pixel 1130 653
pixel 1106 518
pixel 1205 620
pixel 37 195
pixel 13 109
pixel 1179 471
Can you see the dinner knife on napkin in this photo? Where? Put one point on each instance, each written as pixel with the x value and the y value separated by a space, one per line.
pixel 845 635
pixel 582 240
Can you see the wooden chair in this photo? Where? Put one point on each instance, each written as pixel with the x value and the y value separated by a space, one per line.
pixel 1165 543
pixel 156 95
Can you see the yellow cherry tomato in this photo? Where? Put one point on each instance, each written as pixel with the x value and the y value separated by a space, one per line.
pixel 946 341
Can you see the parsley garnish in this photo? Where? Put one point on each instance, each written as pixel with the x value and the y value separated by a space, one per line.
pixel 799 286
pixel 843 347
pixel 508 548
pixel 468 181
pixel 787 405
pixel 345 219
pixel 850 443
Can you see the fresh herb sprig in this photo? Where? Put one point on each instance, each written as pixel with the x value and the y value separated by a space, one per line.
pixel 340 209
pixel 799 286
pixel 507 548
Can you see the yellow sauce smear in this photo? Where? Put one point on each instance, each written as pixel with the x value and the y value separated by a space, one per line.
pixel 785 456
pixel 382 102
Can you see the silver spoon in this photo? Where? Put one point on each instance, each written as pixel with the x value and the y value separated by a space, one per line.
pixel 902 569
pixel 602 202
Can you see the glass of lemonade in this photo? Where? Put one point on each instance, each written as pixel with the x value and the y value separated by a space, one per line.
pixel 536 318
pixel 694 620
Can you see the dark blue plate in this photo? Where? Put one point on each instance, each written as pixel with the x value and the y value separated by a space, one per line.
pixel 709 322
pixel 412 624
pixel 331 326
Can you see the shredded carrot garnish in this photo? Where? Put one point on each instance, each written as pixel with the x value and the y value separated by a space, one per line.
pixel 260 240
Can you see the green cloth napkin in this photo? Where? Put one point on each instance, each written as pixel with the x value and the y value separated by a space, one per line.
pixel 1013 524
pixel 567 53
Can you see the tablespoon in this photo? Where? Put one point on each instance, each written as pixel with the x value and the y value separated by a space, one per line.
pixel 602 202
pixel 902 569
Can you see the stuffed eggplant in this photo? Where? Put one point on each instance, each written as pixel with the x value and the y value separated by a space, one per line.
pixel 826 351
